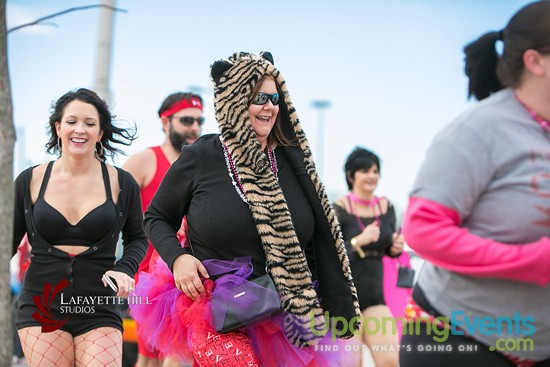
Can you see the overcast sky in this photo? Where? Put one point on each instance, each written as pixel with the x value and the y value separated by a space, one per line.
pixel 391 69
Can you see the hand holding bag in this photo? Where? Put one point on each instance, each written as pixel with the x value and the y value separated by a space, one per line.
pixel 236 301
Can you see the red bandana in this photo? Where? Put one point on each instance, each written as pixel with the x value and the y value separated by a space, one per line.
pixel 183 104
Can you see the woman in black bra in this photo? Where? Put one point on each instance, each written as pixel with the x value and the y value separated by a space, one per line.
pixel 368 227
pixel 73 210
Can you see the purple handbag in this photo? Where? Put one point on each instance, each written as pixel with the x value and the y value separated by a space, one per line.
pixel 237 302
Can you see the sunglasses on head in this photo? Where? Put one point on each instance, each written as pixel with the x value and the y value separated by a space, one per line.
pixel 262 98
pixel 189 121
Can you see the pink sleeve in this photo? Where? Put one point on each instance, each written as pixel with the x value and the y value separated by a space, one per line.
pixel 434 232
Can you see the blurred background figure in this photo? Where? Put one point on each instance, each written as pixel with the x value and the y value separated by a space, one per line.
pixel 181 115
pixel 368 224
pixel 479 212
pixel 23 260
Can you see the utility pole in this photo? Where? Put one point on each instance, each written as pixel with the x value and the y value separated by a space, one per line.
pixel 7 143
pixel 104 49
pixel 320 106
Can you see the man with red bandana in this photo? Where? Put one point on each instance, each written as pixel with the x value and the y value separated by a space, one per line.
pixel 181 115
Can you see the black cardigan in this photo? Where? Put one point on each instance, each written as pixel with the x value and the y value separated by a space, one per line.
pixel 129 222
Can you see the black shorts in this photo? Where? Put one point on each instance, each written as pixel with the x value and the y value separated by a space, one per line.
pixel 75 324
pixel 368 277
pixel 65 299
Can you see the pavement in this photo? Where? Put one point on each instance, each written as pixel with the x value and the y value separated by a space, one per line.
pixel 16 362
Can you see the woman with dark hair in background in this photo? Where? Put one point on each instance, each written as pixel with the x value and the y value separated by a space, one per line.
pixel 74 209
pixel 369 230
pixel 480 208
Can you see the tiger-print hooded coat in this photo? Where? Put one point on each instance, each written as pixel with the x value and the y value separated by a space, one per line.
pixel 234 80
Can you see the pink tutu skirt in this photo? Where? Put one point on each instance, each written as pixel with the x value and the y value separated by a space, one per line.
pixel 178 326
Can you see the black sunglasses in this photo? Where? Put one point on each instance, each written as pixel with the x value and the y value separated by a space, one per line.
pixel 262 98
pixel 189 121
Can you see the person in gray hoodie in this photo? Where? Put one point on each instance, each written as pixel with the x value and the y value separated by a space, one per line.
pixel 479 211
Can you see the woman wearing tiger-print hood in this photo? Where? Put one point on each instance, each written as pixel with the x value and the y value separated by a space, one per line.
pixel 253 191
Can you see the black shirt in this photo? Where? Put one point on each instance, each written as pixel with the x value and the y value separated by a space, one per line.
pixel 351 228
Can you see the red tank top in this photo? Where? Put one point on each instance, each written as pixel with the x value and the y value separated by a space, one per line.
pixel 147 194
pixel 150 190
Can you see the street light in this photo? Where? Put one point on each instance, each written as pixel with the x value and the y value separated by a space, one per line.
pixel 102 83
pixel 320 106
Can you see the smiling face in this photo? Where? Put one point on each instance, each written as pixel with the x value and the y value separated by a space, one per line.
pixel 263 117
pixel 79 129
pixel 365 180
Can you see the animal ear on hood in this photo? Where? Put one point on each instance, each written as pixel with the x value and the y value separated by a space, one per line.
pixel 267 55
pixel 218 68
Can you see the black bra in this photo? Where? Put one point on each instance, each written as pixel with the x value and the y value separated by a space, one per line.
pixel 55 228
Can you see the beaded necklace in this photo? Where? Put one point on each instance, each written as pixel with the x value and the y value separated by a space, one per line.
pixel 535 116
pixel 371 203
pixel 235 180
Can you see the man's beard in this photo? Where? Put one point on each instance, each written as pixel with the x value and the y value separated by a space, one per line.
pixel 178 140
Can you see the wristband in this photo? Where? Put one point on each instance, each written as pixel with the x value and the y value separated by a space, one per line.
pixel 357 248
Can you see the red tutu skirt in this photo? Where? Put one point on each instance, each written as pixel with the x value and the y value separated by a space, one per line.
pixel 180 327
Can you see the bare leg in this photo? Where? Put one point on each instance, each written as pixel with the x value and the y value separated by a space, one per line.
pixel 357 350
pixel 171 362
pixel 143 361
pixel 382 344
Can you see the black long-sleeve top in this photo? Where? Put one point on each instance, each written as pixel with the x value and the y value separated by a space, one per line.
pixel 220 223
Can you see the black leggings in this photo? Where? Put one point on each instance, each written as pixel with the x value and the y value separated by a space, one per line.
pixel 456 351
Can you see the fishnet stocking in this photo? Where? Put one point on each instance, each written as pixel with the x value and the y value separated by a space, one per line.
pixel 100 347
pixel 47 349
